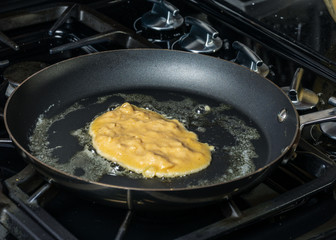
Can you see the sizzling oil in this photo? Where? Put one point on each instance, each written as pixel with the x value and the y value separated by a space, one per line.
pixel 216 123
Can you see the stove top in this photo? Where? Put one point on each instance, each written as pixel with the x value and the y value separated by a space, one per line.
pixel 310 24
pixel 295 201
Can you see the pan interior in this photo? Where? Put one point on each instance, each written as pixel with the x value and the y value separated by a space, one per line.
pixel 61 140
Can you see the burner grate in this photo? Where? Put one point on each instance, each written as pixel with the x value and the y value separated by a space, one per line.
pixel 44 205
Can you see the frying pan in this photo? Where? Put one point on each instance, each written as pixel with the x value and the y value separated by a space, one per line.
pixel 62 99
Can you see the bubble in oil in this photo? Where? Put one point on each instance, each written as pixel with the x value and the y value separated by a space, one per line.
pixel 202 109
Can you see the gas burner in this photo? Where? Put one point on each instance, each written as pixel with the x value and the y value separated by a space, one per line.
pixel 18 72
pixel 161 24
pixel 302 98
pixel 321 136
pixel 329 129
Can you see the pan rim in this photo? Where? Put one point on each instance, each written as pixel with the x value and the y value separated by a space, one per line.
pixel 34 161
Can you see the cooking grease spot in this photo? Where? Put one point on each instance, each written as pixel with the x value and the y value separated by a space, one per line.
pixel 212 121
pixel 39 142
pixel 92 166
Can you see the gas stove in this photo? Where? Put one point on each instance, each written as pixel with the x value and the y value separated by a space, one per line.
pixel 295 201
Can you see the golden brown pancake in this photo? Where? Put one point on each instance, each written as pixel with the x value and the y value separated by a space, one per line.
pixel 145 142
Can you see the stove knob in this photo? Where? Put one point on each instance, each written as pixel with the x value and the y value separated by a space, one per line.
pixel 250 59
pixel 163 17
pixel 202 38
pixel 303 99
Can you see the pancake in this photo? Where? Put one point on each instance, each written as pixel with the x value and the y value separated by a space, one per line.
pixel 147 143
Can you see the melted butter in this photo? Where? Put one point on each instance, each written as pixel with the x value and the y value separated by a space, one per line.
pixel 148 143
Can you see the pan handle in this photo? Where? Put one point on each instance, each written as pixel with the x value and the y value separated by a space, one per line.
pixel 326 115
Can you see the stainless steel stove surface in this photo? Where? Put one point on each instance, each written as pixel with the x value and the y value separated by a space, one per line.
pixel 296 201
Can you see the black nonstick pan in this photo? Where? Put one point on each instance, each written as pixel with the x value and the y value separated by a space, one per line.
pixel 249 120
